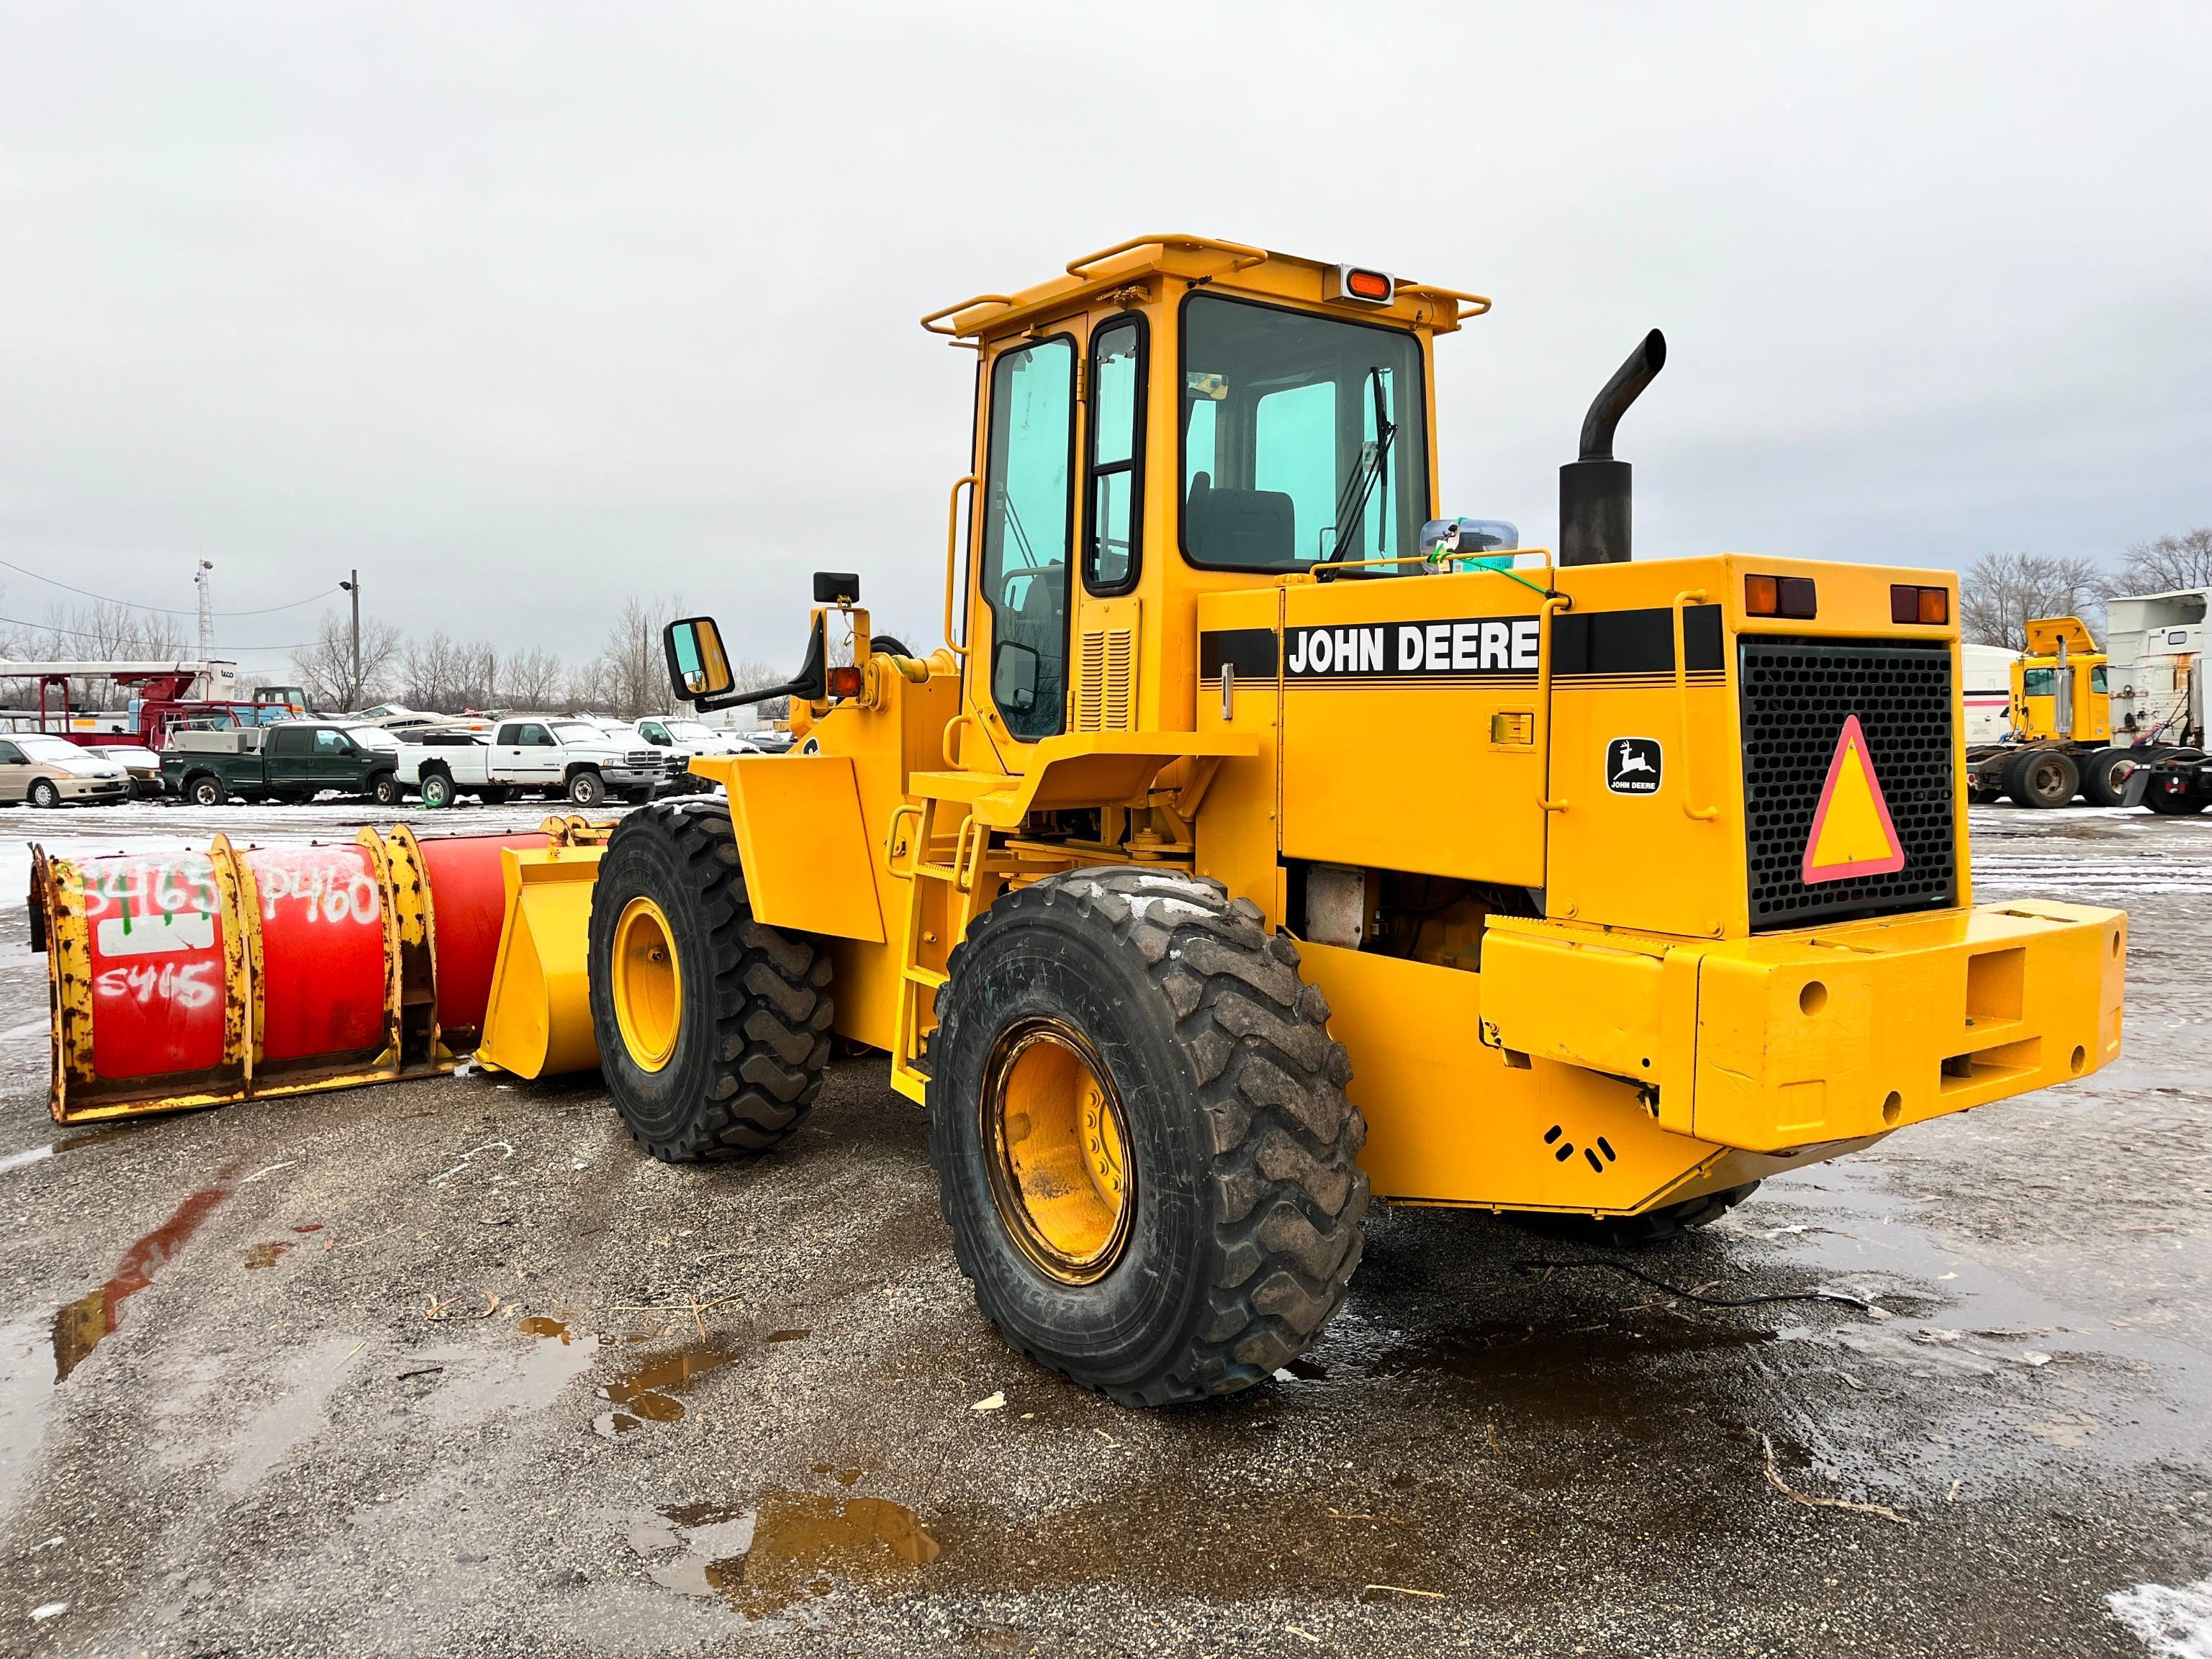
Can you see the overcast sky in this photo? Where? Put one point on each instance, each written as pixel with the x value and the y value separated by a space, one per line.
pixel 524 309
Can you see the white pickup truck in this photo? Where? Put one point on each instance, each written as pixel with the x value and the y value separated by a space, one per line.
pixel 561 758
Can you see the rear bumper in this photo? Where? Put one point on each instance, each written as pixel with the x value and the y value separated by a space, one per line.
pixel 1791 1040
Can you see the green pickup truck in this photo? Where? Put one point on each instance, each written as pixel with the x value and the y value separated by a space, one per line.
pixel 294 761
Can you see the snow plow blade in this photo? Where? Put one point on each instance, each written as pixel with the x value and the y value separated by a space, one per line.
pixel 539 1020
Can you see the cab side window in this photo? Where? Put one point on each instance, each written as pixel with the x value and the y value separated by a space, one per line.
pixel 1112 549
pixel 11 755
pixel 288 741
pixel 535 737
pixel 330 742
pixel 1028 507
pixel 511 734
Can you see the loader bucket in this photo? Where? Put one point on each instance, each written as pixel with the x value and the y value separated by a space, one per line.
pixel 538 1022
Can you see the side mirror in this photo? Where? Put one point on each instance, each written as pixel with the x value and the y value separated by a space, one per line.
pixel 1013 675
pixel 698 666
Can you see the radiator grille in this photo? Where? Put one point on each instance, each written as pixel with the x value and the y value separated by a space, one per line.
pixel 1105 680
pixel 1796 697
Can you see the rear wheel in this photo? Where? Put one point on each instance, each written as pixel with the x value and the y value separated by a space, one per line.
pixel 208 790
pixel 2172 806
pixel 1142 1142
pixel 437 791
pixel 2045 778
pixel 2105 776
pixel 1630 1232
pixel 714 1028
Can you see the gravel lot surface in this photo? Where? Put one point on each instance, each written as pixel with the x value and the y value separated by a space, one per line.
pixel 450 1367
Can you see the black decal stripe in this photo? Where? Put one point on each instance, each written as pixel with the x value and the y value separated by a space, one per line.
pixel 1249 651
pixel 1585 642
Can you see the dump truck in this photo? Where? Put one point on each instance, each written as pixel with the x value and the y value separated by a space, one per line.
pixel 1259 842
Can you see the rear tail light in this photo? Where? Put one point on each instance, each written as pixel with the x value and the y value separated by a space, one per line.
pixel 1795 596
pixel 1920 607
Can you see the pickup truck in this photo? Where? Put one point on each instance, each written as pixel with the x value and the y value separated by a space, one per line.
pixel 291 761
pixel 568 758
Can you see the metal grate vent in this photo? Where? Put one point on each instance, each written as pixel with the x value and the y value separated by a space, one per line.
pixel 1795 698
pixel 1105 681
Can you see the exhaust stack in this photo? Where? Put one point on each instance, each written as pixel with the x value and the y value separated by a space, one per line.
pixel 1594 491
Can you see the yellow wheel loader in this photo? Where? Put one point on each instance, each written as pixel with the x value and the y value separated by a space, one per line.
pixel 1263 840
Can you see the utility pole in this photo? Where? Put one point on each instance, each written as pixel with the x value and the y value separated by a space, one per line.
pixel 354 588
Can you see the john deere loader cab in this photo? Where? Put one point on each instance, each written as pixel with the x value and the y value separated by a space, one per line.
pixel 1260 837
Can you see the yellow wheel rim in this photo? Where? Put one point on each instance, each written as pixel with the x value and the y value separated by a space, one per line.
pixel 648 988
pixel 1055 1142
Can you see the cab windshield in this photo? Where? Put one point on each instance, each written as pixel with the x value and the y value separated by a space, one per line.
pixel 1304 438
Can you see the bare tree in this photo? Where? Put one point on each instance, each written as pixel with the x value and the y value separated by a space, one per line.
pixel 535 678
pixel 633 669
pixel 2169 562
pixel 754 675
pixel 2000 592
pixel 325 665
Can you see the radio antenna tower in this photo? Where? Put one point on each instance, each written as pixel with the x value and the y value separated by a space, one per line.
pixel 207 609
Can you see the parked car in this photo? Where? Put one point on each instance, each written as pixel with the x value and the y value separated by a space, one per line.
pixel 294 760
pixel 557 756
pixel 49 771
pixel 144 765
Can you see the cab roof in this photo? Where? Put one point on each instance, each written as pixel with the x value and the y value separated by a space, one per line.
pixel 1232 265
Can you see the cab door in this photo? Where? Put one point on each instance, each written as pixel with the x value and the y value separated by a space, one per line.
pixel 336 763
pixel 1027 534
pixel 288 759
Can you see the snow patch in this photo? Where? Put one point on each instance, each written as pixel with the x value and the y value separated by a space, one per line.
pixel 1143 904
pixel 2172 1621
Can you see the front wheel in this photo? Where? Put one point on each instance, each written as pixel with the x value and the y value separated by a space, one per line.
pixel 714 1028
pixel 1142 1142
pixel 45 793
pixel 587 789
pixel 437 791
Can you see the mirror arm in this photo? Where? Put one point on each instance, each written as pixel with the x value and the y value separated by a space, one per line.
pixel 812 684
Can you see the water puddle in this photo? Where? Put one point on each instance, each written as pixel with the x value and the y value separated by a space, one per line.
pixel 80 1326
pixel 479 1377
pixel 75 1143
pixel 789 1546
pixel 647 1392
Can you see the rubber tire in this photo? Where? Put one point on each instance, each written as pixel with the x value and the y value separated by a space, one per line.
pixel 2097 786
pixel 384 789
pixel 2065 781
pixel 586 788
pixel 1249 1196
pixel 741 1080
pixel 43 795
pixel 2173 806
pixel 205 791
pixel 437 789
pixel 1658 1226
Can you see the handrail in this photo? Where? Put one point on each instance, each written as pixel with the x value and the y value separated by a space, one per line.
pixel 931 321
pixel 1464 305
pixel 900 813
pixel 1683 600
pixel 1246 256
pixel 966 481
pixel 1551 607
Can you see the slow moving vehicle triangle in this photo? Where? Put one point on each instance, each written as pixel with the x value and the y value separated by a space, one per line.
pixel 1851 834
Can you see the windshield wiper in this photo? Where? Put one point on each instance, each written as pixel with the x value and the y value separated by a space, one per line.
pixel 1370 466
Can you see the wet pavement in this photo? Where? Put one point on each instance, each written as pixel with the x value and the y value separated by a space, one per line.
pixel 450 1367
